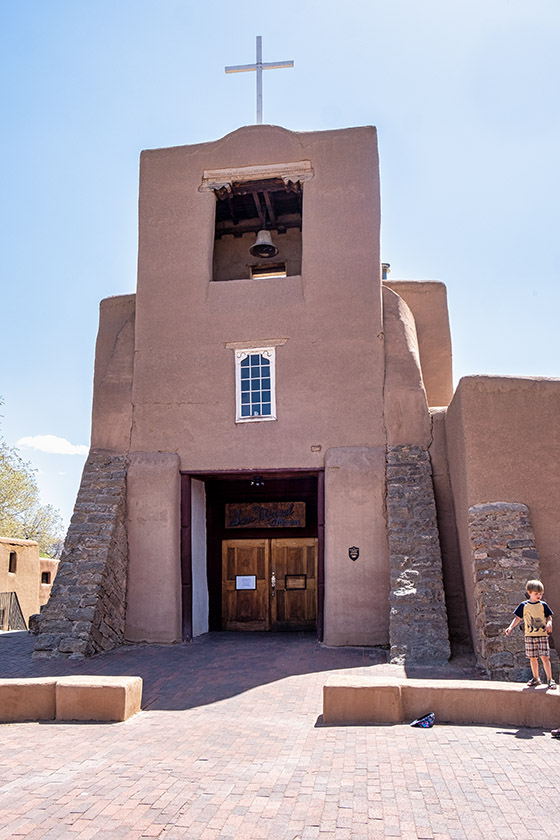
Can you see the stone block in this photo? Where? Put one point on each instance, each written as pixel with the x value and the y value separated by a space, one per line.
pixel 361 700
pixel 27 699
pixel 98 698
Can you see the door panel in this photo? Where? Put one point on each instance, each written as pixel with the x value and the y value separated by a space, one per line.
pixel 294 566
pixel 244 563
pixel 290 604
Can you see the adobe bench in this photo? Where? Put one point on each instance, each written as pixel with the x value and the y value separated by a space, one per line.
pixel 360 700
pixel 70 698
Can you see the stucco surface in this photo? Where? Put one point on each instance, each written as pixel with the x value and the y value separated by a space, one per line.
pixel 102 698
pixel 184 387
pixel 112 384
pixel 360 700
pixel 46 564
pixel 503 439
pixel 428 302
pixel 407 419
pixel 154 526
pixel 31 698
pixel 356 592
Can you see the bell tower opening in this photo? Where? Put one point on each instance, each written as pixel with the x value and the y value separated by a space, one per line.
pixel 258 230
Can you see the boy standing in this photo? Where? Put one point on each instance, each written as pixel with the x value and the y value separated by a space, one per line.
pixel 537 616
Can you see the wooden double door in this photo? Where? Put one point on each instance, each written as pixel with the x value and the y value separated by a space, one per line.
pixel 269 584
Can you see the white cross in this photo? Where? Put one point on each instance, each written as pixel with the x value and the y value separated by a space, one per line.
pixel 259 67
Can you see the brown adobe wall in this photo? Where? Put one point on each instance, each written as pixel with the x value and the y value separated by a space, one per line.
pixel 26 579
pixel 111 420
pixel 418 620
pixel 427 301
pixel 503 442
pixel 49 565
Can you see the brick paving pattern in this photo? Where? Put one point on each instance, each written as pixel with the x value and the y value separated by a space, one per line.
pixel 231 746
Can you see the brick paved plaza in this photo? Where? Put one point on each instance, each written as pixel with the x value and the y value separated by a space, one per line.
pixel 231 745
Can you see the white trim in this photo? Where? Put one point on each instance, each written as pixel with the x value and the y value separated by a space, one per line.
pixel 255 345
pixel 240 355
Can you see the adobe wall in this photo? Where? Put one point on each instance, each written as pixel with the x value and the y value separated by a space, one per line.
pixel 503 441
pixel 25 582
pixel 49 565
pixel 405 407
pixel 111 419
pixel 154 528
pixel 329 318
pixel 356 591
pixel 428 303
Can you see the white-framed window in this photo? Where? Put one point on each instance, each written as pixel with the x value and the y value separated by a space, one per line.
pixel 255 384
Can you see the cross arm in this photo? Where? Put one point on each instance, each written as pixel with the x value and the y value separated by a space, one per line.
pixel 273 65
pixel 240 68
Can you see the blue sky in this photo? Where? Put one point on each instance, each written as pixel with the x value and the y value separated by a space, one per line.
pixel 464 94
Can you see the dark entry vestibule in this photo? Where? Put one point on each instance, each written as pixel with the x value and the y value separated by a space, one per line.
pixel 264 549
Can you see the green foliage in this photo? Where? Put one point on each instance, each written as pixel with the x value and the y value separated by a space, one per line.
pixel 22 516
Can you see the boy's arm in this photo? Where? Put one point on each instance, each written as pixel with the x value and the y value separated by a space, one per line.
pixel 514 622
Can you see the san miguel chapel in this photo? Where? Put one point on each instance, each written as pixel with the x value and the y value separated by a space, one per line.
pixel 276 444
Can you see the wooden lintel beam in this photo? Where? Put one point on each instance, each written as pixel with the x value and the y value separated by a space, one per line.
pixel 283 222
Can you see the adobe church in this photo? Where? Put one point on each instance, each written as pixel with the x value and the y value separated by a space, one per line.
pixel 275 440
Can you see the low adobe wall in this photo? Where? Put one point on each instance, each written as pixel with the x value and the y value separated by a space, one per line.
pixel 362 700
pixel 70 698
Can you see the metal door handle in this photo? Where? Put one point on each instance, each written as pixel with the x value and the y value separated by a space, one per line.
pixel 273 582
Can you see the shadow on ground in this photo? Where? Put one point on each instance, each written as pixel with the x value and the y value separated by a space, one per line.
pixel 211 668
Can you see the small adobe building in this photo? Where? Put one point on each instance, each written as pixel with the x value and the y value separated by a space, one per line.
pixel 25 581
pixel 275 441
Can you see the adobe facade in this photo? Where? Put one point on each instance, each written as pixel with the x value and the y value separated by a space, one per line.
pixel 25 581
pixel 272 446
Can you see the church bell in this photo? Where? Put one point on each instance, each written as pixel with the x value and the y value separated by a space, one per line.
pixel 263 246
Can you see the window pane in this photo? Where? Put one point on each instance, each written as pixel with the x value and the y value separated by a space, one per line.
pixel 255 394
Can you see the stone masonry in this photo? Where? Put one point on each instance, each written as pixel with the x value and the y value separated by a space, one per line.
pixel 418 618
pixel 86 610
pixel 504 558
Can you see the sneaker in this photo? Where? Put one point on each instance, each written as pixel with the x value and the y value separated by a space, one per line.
pixel 551 684
pixel 534 681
